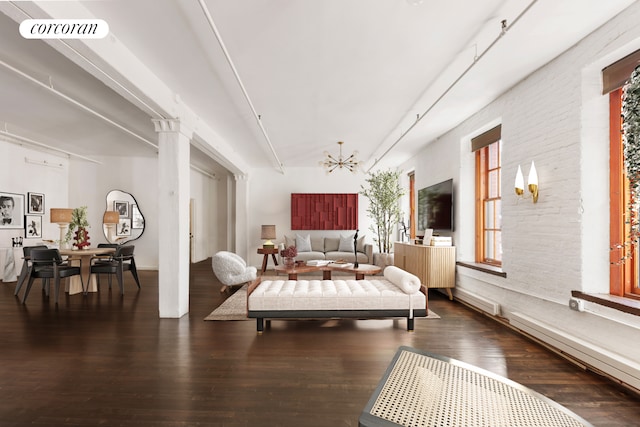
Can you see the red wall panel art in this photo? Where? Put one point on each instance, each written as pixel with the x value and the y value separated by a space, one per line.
pixel 318 211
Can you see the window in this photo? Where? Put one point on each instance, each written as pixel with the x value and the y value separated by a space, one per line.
pixel 624 257
pixel 488 149
pixel 623 277
pixel 412 205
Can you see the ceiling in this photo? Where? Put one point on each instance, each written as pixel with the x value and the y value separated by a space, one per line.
pixel 316 72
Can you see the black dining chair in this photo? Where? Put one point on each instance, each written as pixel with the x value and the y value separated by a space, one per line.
pixel 108 245
pixel 26 265
pixel 106 257
pixel 48 264
pixel 121 261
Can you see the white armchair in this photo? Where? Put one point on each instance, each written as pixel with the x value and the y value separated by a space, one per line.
pixel 232 270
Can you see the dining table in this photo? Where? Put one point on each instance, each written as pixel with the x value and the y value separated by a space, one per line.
pixel 82 257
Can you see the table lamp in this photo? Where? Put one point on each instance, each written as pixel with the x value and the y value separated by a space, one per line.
pixel 110 219
pixel 268 232
pixel 62 217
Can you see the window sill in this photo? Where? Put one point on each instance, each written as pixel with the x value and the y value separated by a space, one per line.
pixel 625 305
pixel 485 268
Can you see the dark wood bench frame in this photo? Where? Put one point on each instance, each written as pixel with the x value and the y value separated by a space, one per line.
pixel 261 315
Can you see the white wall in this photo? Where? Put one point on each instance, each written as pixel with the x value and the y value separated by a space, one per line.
pixel 558 118
pixel 208 198
pixel 89 184
pixel 270 200
pixel 81 183
pixel 22 177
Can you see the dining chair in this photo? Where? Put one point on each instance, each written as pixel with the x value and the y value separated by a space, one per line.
pixel 108 245
pixel 106 257
pixel 121 261
pixel 48 264
pixel 26 265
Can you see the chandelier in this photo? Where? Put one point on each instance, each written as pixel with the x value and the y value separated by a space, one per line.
pixel 331 163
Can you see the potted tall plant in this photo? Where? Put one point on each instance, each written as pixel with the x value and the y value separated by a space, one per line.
pixel 384 192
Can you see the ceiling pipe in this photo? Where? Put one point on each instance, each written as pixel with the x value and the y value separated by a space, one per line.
pixel 77 103
pixel 204 172
pixel 21 139
pixel 212 24
pixel 476 59
pixel 98 69
pixel 149 108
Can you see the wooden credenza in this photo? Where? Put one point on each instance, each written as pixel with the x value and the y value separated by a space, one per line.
pixel 435 266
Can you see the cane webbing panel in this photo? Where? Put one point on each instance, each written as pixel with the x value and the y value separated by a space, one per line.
pixel 425 391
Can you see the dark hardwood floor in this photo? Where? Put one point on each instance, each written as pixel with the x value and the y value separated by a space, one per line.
pixel 110 361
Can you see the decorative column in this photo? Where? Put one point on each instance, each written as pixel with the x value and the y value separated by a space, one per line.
pixel 242 216
pixel 173 216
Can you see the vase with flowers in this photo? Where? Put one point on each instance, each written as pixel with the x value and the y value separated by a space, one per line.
pixel 289 255
pixel 80 224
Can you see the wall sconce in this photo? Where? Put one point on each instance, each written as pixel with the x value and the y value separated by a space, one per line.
pixel 519 182
pixel 532 182
pixel 267 233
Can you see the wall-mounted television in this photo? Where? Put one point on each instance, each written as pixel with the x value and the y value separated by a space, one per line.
pixel 435 207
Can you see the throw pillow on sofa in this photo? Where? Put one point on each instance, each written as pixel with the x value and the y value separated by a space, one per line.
pixel 346 244
pixel 289 241
pixel 303 243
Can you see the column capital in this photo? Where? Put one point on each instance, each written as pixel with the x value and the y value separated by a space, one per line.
pixel 172 125
pixel 241 176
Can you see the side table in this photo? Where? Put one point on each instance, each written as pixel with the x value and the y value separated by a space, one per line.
pixel 266 252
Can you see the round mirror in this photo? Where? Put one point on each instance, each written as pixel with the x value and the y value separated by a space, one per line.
pixel 123 219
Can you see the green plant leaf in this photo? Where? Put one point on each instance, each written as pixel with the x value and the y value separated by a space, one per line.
pixel 384 192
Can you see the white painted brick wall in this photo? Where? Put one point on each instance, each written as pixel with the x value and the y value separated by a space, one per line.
pixel 557 117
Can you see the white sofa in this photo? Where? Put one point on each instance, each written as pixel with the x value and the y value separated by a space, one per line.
pixel 398 294
pixel 329 248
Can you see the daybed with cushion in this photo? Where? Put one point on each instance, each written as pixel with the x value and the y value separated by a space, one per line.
pixel 396 295
pixel 330 248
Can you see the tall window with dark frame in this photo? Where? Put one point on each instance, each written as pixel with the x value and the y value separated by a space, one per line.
pixel 623 277
pixel 488 152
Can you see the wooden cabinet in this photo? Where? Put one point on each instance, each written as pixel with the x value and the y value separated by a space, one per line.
pixel 435 266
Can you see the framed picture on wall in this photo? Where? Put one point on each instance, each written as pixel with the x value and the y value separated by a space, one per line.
pixel 122 208
pixel 124 227
pixel 137 220
pixel 33 226
pixel 35 203
pixel 11 210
